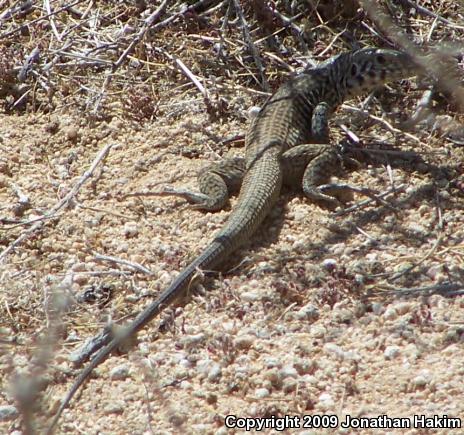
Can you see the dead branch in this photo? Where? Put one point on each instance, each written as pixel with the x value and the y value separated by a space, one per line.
pixel 138 37
pixel 428 13
pixel 435 64
pixel 23 26
pixel 133 265
pixel 251 46
pixel 61 204
pixel 447 289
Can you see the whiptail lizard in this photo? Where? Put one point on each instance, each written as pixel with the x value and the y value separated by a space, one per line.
pixel 280 148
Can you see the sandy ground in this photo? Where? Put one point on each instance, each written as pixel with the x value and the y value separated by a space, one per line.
pixel 310 320
pixel 291 330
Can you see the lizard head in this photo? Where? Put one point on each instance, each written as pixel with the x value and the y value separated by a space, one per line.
pixel 370 67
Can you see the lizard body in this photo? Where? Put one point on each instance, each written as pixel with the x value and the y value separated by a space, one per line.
pixel 279 149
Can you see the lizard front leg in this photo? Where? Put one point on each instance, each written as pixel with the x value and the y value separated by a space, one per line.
pixel 320 124
pixel 295 161
pixel 327 163
pixel 318 172
pixel 312 165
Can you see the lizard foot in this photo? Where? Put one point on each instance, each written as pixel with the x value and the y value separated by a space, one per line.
pixel 340 190
pixel 197 200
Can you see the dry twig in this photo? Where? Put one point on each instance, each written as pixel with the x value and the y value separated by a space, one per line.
pixel 251 45
pixel 23 26
pixel 138 37
pixel 133 265
pixel 58 206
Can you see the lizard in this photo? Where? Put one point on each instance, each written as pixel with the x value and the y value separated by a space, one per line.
pixel 287 142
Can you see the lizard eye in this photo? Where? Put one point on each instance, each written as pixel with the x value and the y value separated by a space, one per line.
pixel 354 69
pixel 381 59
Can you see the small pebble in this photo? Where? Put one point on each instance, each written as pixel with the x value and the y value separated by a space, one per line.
pixel 288 371
pixel 215 372
pixel 326 401
pixel 419 381
pixel 72 134
pixel 329 264
pixel 120 372
pixel 377 308
pixel 252 296
pixel 8 412
pixel 114 408
pixel 261 393
pixel 403 308
pixel 390 313
pixel 130 229
pixel 244 341
pixel 289 385
pixel 253 112
pixel 191 340
pixel 391 352
pixel 271 362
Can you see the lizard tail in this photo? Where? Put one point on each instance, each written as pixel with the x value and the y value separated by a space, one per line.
pixel 252 207
pixel 211 257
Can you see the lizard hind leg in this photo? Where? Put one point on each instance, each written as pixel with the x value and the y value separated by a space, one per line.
pixel 216 182
pixel 220 180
